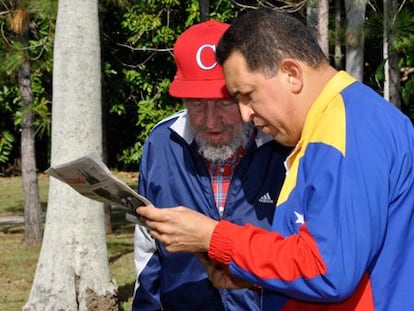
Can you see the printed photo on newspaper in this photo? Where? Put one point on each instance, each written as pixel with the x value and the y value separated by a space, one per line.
pixel 90 177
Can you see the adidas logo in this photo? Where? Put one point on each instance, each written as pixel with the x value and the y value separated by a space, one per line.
pixel 266 198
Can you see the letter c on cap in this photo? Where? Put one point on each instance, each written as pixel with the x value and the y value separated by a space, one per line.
pixel 198 56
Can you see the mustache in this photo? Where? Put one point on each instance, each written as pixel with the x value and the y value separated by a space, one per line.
pixel 220 128
pixel 220 152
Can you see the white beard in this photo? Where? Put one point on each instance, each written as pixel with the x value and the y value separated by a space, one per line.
pixel 214 152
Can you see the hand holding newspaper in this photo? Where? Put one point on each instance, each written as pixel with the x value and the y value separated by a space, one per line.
pixel 90 177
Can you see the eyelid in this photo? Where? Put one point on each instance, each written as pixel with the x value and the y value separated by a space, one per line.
pixel 229 102
pixel 194 103
pixel 246 95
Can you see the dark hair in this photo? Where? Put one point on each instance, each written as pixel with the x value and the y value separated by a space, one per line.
pixel 265 36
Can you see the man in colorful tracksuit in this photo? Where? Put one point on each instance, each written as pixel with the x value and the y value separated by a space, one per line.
pixel 339 231
pixel 342 237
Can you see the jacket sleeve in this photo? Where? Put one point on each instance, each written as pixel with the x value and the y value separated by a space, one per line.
pixel 147 266
pixel 146 256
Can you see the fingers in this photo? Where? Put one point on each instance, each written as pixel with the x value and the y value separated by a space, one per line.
pixel 151 213
pixel 151 216
pixel 162 231
pixel 146 211
pixel 178 228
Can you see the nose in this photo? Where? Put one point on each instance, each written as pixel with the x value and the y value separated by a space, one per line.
pixel 246 113
pixel 212 115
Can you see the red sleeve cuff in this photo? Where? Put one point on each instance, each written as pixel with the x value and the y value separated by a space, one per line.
pixel 221 242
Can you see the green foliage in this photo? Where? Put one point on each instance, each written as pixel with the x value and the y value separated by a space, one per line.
pixel 6 145
pixel 40 107
pixel 137 39
pixel 402 29
pixel 223 11
pixel 8 95
pixel 404 46
pixel 148 115
pixel 8 131
pixel 12 57
pixel 138 66
pixel 407 94
pixel 139 73
pixel 36 48
pixel 44 10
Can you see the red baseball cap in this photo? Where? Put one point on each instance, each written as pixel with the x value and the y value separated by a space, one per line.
pixel 199 75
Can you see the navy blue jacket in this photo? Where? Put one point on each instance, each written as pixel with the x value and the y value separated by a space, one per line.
pixel 173 173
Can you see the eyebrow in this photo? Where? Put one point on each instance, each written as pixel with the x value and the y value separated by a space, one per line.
pixel 240 93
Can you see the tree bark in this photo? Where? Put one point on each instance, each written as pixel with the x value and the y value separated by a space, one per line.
pixel 31 198
pixel 73 269
pixel 391 69
pixel 312 16
pixel 204 10
pixel 338 36
pixel 355 16
pixel 323 26
pixel 317 19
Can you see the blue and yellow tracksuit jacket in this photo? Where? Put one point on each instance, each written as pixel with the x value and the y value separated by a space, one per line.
pixel 343 231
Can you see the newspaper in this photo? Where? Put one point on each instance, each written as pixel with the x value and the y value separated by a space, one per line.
pixel 90 177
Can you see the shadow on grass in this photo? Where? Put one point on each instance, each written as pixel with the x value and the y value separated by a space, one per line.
pixel 14 209
pixel 12 228
pixel 18 209
pixel 125 292
pixel 121 249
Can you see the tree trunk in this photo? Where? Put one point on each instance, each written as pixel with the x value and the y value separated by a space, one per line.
pixel 108 218
pixel 355 16
pixel 204 10
pixel 31 198
pixel 323 26
pixel 73 269
pixel 317 19
pixel 391 69
pixel 338 36
pixel 105 108
pixel 312 16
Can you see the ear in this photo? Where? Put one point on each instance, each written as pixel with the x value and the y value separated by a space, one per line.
pixel 292 70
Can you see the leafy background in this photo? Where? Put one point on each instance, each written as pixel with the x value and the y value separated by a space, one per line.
pixel 137 39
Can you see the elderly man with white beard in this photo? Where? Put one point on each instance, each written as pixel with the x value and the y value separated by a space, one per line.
pixel 208 159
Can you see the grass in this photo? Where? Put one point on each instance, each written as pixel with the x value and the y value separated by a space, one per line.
pixel 18 262
pixel 11 191
pixel 17 267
